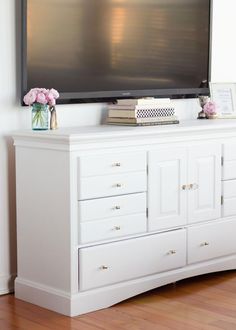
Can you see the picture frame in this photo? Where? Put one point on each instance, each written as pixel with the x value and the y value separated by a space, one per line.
pixel 223 94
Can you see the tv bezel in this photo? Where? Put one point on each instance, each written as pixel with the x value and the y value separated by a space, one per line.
pixel 111 96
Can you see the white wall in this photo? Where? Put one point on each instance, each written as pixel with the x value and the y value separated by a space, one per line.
pixel 13 117
pixel 223 40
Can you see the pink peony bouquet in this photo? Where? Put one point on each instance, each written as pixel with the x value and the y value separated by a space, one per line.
pixel 42 96
pixel 210 108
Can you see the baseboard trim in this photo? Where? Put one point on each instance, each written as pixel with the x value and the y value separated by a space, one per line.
pixel 7 283
pixel 42 295
pixel 91 300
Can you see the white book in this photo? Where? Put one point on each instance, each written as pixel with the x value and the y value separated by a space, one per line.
pixel 144 101
pixel 138 107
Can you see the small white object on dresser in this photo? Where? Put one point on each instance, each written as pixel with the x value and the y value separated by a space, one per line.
pixel 105 213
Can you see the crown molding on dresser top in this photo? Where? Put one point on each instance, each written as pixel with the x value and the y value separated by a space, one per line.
pixel 86 137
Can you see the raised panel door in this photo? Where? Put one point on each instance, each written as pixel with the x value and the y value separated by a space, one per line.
pixel 204 177
pixel 167 196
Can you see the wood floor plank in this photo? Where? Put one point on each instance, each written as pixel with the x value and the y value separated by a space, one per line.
pixel 202 303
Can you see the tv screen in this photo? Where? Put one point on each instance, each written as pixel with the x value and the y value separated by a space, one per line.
pixel 91 50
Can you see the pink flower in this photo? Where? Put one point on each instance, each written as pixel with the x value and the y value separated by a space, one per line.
pixel 50 98
pixel 40 90
pixel 41 95
pixel 54 92
pixel 30 97
pixel 41 98
pixel 210 108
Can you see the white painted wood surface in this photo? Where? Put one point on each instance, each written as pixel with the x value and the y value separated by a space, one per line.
pixel 130 259
pixel 204 173
pixel 111 185
pixel 229 198
pixel 211 240
pixel 115 163
pixel 103 208
pixel 58 271
pixel 167 198
pixel 94 231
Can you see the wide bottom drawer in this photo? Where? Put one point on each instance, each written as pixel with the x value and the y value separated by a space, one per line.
pixel 111 263
pixel 211 240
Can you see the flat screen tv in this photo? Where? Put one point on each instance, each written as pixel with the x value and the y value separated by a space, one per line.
pixel 96 50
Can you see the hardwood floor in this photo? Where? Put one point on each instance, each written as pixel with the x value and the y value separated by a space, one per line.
pixel 207 302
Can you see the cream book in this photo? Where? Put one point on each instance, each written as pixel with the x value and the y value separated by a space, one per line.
pixel 142 120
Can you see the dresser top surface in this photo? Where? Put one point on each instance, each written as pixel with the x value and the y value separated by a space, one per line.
pixel 82 133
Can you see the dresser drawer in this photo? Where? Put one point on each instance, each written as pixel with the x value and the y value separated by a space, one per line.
pixel 111 185
pixel 211 240
pixel 229 166
pixel 114 163
pixel 110 207
pixel 93 231
pixel 111 263
pixel 229 170
pixel 229 198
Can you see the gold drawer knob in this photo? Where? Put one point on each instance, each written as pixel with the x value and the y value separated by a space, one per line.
pixel 205 244
pixel 117 164
pixel 172 252
pixel 117 228
pixel 193 186
pixel 103 267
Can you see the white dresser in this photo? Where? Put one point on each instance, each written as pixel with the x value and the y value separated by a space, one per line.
pixel 107 212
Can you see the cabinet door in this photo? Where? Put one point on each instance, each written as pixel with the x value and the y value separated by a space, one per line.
pixel 167 200
pixel 204 174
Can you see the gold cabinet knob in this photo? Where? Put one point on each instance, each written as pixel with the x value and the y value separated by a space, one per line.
pixel 118 164
pixel 117 207
pixel 117 228
pixel 103 267
pixel 205 244
pixel 172 252
pixel 118 185
pixel 193 186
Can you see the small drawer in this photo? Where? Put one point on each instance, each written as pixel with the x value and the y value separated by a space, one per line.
pixel 229 170
pixel 114 163
pixel 111 263
pixel 111 185
pixel 211 241
pixel 229 166
pixel 110 207
pixel 229 198
pixel 93 231
pixel 229 150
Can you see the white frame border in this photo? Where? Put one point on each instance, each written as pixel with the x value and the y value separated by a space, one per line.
pixel 231 86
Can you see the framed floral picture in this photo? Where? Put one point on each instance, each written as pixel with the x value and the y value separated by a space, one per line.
pixel 223 94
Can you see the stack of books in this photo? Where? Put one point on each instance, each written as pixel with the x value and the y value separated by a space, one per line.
pixel 142 112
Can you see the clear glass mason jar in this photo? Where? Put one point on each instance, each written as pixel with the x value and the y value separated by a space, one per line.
pixel 39 116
